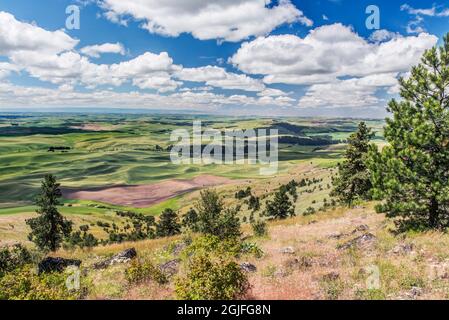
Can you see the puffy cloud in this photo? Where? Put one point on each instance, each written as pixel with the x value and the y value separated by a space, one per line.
pixel 356 92
pixel 17 36
pixel 96 51
pixel 19 96
pixel 206 19
pixel 161 81
pixel 50 56
pixel 147 71
pixel 383 35
pixel 326 54
pixel 6 69
pixel 219 77
pixel 270 92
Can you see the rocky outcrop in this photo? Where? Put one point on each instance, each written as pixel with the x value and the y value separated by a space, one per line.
pixel 55 264
pixel 248 267
pixel 288 250
pixel 121 257
pixel 361 241
pixel 170 268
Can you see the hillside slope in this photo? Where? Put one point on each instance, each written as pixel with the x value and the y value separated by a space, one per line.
pixel 339 254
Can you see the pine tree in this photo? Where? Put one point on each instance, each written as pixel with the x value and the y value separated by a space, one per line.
pixel 213 219
pixel 280 207
pixel 190 220
pixel 50 227
pixel 353 180
pixel 411 174
pixel 168 224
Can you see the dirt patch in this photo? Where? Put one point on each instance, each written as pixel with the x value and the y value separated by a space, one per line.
pixel 91 127
pixel 142 196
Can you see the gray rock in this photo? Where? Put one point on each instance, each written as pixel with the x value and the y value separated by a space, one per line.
pixel 361 228
pixel 362 240
pixel 403 248
pixel 248 267
pixel 176 248
pixel 121 257
pixel 280 273
pixel 298 263
pixel 331 276
pixel 416 292
pixel 179 246
pixel 336 235
pixel 170 268
pixel 51 264
pixel 288 250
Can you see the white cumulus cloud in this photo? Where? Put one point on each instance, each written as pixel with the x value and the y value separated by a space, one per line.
pixel 207 19
pixel 95 51
pixel 327 53
pixel 218 77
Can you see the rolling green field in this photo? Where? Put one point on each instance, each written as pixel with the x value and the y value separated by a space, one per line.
pixel 99 150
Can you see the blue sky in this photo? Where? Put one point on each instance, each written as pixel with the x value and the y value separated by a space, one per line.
pixel 302 58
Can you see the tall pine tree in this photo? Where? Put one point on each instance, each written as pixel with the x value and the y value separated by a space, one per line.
pixel 168 224
pixel 50 227
pixel 353 180
pixel 411 174
pixel 280 207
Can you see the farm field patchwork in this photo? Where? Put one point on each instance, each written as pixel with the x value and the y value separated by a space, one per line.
pixel 108 162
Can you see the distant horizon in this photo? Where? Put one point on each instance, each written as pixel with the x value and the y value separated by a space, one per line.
pixel 118 111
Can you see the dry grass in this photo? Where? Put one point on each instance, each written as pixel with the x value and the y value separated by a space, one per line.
pixel 317 269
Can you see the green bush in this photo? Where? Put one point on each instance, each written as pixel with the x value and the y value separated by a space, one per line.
pixel 209 244
pixel 13 257
pixel 141 271
pixel 251 248
pixel 309 211
pixel 214 219
pixel 25 284
pixel 259 228
pixel 210 278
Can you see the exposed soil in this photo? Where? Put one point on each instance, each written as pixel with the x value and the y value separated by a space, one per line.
pixel 91 127
pixel 141 196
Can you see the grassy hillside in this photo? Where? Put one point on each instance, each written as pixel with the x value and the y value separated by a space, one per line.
pixel 412 266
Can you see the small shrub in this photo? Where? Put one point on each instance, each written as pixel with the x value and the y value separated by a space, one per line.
pixel 210 278
pixel 13 257
pixel 25 284
pixel 241 194
pixel 251 248
pixel 141 271
pixel 370 294
pixel 332 288
pixel 259 228
pixel 269 271
pixel 209 244
pixel 309 211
